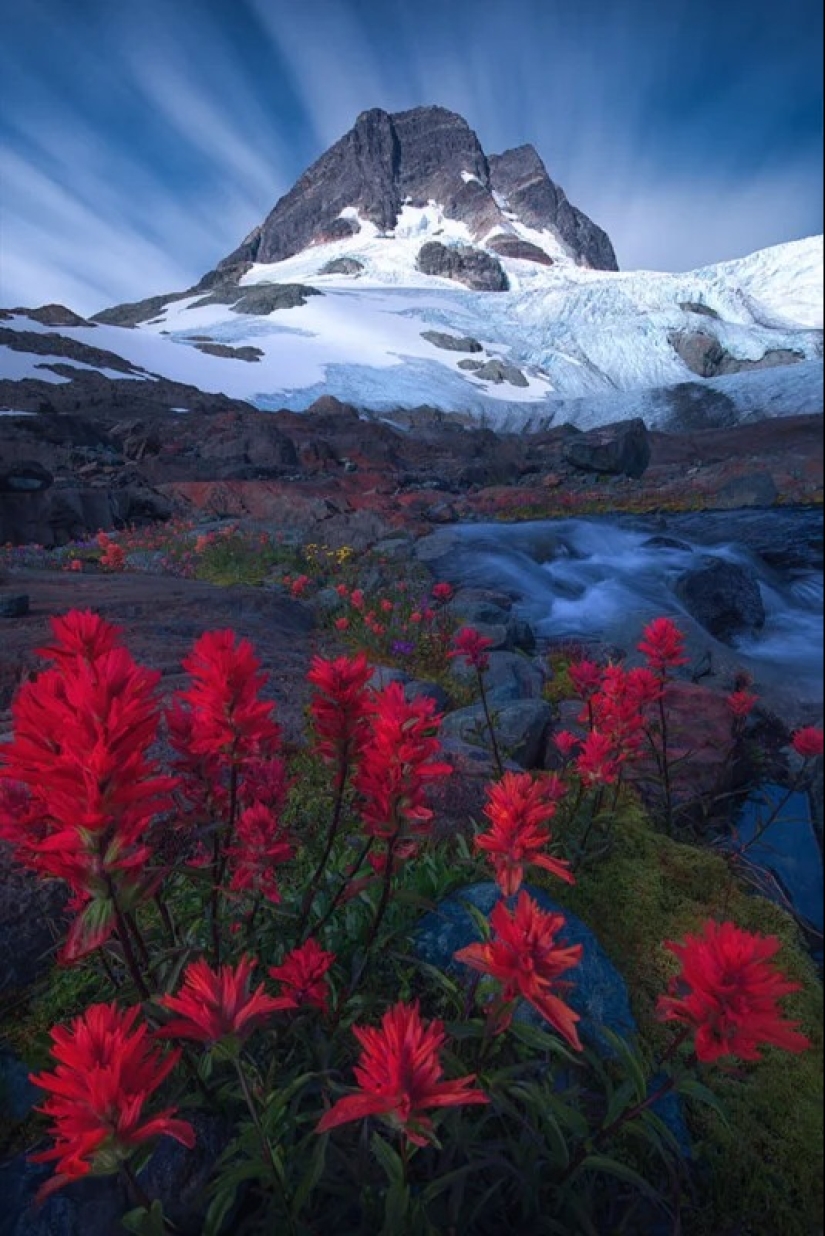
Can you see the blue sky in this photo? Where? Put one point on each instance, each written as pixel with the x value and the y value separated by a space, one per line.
pixel 142 139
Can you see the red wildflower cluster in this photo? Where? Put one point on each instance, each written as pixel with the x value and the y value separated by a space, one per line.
pixel 303 977
pixel 215 1005
pixel 401 1076
pixel 741 703
pixel 807 742
pixel 259 846
pixel 442 592
pixel 473 647
pixel 229 720
pixel 396 764
pixel 728 992
pixel 663 645
pixel 106 1072
pixel 113 557
pixel 340 707
pixel 525 957
pixel 85 790
pixel 597 762
pixel 586 677
pixel 519 807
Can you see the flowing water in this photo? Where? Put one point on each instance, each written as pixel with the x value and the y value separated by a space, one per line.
pixel 602 580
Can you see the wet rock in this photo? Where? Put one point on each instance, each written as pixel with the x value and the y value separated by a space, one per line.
pixel 621 449
pixel 723 597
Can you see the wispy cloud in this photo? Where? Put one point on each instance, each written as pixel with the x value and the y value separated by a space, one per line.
pixel 143 141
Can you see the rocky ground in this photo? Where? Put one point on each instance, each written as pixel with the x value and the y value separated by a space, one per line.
pixel 66 473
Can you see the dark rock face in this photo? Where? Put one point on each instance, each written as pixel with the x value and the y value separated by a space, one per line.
pixel 724 597
pixel 451 343
pixel 472 267
pixel 622 449
pixel 261 298
pixel 412 157
pixel 342 265
pixel 704 355
pixel 521 178
pixel 53 315
pixel 26 477
pixel 501 371
pixel 246 353
pixel 515 247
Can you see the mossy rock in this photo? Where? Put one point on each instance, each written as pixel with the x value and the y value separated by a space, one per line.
pixel 762 1172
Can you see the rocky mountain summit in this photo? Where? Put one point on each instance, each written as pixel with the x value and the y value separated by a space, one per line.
pixel 427 154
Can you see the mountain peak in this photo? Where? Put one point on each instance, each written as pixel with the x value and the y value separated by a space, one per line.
pixel 418 157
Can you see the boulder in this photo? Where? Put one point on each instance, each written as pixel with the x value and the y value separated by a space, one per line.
pixel 521 727
pixel 451 343
pixel 621 449
pixel 26 477
pixel 723 597
pixel 472 267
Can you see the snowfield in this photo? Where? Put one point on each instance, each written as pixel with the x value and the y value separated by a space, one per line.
pixel 589 346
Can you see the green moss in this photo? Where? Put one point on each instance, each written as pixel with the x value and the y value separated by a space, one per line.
pixel 762 1175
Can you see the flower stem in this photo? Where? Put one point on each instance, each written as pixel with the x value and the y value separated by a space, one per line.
pixel 490 727
pixel 309 897
pixel 264 1140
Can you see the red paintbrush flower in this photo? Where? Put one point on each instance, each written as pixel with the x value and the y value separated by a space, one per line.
pixel 86 790
pixel 473 647
pixel 442 592
pixel 566 742
pixel 229 719
pixel 80 635
pixel 106 1072
pixel 397 762
pixel 741 703
pixel 400 1076
pixel 585 676
pixel 526 958
pixel 340 706
pixel 728 992
pixel 258 848
pixel 303 976
pixel 597 763
pixel 663 645
pixel 807 742
pixel 213 1006
pixel 518 808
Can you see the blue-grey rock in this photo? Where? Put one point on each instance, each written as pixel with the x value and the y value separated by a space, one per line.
pixel 521 728
pixel 789 848
pixel 597 991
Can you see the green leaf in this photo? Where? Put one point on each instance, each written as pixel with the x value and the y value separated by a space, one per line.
pixel 540 1040
pixel 313 1174
pixel 621 1098
pixel 145 1222
pixel 389 1160
pixel 612 1167
pixel 481 921
pixel 396 1208
pixel 693 1089
pixel 631 1062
